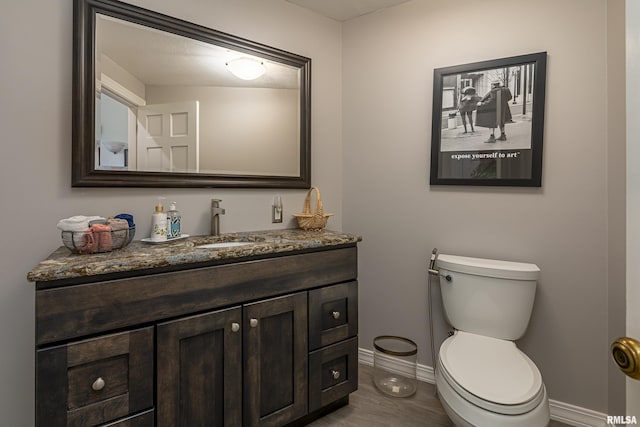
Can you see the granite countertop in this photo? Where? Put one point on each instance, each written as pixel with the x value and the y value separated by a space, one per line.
pixel 63 264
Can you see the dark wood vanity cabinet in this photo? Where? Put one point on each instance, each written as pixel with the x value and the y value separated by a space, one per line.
pixel 266 342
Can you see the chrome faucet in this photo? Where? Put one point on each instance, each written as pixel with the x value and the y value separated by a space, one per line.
pixel 216 211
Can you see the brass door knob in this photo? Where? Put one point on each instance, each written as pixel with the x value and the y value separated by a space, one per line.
pixel 626 354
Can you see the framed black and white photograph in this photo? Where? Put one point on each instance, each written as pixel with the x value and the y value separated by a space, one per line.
pixel 488 122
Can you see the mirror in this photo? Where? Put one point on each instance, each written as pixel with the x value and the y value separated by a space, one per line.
pixel 157 103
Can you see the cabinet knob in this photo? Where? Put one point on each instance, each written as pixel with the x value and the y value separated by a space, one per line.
pixel 335 374
pixel 235 327
pixel 253 323
pixel 336 315
pixel 98 384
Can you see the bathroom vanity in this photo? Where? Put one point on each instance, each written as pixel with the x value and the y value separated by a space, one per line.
pixel 257 334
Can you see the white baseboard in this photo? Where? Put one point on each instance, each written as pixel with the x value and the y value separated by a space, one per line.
pixel 424 373
pixel 575 415
pixel 560 411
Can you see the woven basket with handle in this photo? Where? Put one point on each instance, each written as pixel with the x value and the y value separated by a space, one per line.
pixel 308 220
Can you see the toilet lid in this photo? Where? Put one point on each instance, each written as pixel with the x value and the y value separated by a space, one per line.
pixel 493 373
pixel 489 267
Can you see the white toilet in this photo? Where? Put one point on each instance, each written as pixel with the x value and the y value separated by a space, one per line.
pixel 483 379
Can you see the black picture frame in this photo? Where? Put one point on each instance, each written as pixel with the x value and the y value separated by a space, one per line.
pixel 509 104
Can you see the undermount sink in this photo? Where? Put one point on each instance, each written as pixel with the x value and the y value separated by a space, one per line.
pixel 223 245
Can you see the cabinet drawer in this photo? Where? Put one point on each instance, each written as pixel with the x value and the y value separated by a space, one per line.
pixel 96 380
pixel 144 419
pixel 333 373
pixel 333 314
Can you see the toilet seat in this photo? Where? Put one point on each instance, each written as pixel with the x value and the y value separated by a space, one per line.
pixel 491 373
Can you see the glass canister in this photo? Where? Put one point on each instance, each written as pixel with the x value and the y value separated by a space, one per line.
pixel 395 365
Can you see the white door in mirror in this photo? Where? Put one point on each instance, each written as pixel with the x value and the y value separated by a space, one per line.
pixel 168 137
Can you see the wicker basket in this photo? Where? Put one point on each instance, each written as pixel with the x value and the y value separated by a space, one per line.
pixel 308 220
pixel 93 242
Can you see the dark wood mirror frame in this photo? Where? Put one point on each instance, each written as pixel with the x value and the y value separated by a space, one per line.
pixel 84 173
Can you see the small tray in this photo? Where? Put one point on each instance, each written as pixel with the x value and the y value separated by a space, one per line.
pixel 148 239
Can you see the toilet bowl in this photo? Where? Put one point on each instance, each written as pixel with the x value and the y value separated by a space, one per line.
pixel 483 379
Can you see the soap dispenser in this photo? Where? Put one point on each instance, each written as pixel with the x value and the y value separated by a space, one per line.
pixel 173 222
pixel 159 223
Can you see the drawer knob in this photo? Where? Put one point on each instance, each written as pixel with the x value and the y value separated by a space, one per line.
pixel 98 384
pixel 235 327
pixel 253 323
pixel 336 315
pixel 335 374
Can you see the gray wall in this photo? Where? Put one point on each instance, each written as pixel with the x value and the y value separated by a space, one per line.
pixel 381 191
pixel 562 227
pixel 35 118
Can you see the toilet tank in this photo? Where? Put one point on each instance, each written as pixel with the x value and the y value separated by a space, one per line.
pixel 487 297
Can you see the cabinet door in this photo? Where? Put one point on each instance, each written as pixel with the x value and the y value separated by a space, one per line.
pixel 200 370
pixel 95 381
pixel 275 359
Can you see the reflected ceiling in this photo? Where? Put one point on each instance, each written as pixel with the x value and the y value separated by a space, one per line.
pixel 174 60
pixel 343 10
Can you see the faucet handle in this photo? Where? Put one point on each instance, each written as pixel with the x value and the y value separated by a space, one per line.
pixel 215 207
